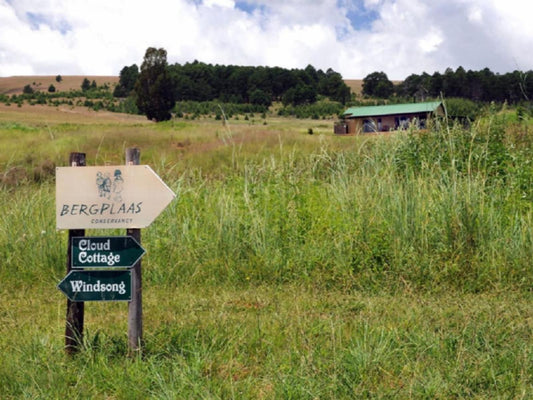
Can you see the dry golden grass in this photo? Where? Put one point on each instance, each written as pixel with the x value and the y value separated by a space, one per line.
pixel 15 84
pixel 355 85
pixel 40 114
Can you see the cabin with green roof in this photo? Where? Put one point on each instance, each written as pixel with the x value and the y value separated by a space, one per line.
pixel 387 118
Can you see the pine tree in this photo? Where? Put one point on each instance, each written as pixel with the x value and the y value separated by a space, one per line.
pixel 154 87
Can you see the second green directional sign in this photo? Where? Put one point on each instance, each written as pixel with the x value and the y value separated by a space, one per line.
pixel 97 285
pixel 105 252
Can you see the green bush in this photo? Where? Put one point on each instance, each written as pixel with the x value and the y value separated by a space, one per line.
pixel 28 89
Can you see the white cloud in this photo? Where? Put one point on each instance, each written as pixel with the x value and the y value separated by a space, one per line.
pixel 219 3
pixel 399 37
pixel 475 14
pixel 430 42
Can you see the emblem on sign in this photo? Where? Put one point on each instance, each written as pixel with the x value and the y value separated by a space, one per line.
pixel 110 188
pixel 118 197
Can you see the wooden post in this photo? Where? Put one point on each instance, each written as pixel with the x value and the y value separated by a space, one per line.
pixel 135 322
pixel 75 309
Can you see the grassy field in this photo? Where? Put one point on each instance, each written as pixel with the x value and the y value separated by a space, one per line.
pixel 290 265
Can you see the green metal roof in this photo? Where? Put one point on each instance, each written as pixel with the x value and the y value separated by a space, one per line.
pixel 394 109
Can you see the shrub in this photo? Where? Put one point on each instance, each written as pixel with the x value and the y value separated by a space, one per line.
pixel 85 85
pixel 14 176
pixel 44 171
pixel 28 89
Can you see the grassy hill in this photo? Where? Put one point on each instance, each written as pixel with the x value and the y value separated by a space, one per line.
pixel 15 84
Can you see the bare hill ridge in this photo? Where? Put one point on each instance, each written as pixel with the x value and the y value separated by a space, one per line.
pixel 15 84
pixel 355 85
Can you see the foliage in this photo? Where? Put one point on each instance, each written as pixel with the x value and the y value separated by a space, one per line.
pixel 377 84
pixel 198 81
pixel 126 84
pixel 415 86
pixel 463 109
pixel 85 85
pixel 59 78
pixel 301 94
pixel 457 152
pixel 127 105
pixel 332 86
pixel 154 87
pixel 28 89
pixel 259 97
pixel 481 85
pixel 51 88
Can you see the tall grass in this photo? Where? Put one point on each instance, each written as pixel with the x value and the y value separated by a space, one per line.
pixel 448 208
pixel 433 210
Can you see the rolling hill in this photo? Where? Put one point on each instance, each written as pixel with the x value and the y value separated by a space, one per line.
pixel 15 84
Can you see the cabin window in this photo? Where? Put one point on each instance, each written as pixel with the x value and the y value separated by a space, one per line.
pixel 369 125
pixel 404 123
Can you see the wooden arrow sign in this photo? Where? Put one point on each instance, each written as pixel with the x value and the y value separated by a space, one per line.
pixel 98 285
pixel 105 252
pixel 107 197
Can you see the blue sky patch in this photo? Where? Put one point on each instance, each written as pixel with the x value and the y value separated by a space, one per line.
pixel 247 7
pixel 36 19
pixel 361 19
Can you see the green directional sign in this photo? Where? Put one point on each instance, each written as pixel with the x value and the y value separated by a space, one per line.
pixel 97 285
pixel 105 252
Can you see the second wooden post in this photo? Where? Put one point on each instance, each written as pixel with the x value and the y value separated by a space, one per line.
pixel 135 314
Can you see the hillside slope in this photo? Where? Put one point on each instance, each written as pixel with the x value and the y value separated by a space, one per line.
pixel 15 84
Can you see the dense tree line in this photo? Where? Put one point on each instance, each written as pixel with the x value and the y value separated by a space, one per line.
pixel 483 85
pixel 257 85
pixel 199 81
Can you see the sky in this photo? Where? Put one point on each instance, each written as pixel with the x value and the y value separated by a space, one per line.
pixel 353 37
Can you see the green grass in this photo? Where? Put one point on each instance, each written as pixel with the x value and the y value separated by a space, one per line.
pixel 274 342
pixel 289 266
